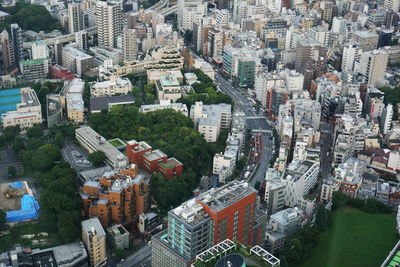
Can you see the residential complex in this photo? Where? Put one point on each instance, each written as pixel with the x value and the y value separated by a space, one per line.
pixel 115 86
pixel 94 238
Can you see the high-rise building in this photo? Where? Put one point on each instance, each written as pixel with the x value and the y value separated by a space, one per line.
pixel 39 50
pixel 7 50
pixel 351 54
pixel 94 239
pixel 373 65
pixel 221 213
pixel 81 40
pixel 386 119
pixel 367 40
pixel 109 22
pixel 57 52
pixel 129 45
pixel 393 5
pixel 75 17
pixel 16 35
pixel 327 10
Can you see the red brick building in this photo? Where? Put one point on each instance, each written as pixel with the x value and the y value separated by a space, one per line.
pixel 152 161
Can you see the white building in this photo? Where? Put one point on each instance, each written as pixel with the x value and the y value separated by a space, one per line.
pixel 109 22
pixel 393 5
pixel 28 112
pixel 129 45
pixel 386 119
pixel 351 54
pixel 75 60
pixel 39 50
pixel 224 163
pixel 111 87
pixel 275 191
pixel 75 17
pixel 165 104
pixel 373 65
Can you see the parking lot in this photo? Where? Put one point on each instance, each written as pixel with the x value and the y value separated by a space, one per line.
pixel 76 156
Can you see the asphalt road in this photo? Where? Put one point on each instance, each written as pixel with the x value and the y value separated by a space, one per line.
pixel 139 258
pixel 255 121
pixel 326 153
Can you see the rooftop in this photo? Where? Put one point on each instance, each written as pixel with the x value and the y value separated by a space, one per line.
pixel 104 102
pixel 190 212
pixel 75 53
pixel 227 195
pixel 33 61
pixel 154 155
pixel 93 224
pixel 169 80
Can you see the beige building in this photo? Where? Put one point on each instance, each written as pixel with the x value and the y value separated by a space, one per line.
pixel 129 45
pixel 28 112
pixel 94 239
pixel 109 22
pixel 168 88
pixel 373 65
pixel 73 101
pixel 75 60
pixel 366 39
pixel 112 87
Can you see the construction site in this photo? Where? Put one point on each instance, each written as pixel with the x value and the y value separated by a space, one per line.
pixel 17 200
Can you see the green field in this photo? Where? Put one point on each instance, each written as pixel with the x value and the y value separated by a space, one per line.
pixel 354 239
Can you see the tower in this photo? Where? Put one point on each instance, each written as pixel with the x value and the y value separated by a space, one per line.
pixel 7 50
pixel 108 22
pixel 16 35
pixel 75 17
pixel 129 45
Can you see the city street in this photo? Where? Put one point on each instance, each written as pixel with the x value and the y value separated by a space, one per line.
pixel 255 121
pixel 326 153
pixel 139 258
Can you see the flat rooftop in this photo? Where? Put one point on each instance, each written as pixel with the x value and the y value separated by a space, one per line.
pixel 95 224
pixel 104 102
pixel 169 80
pixel 154 155
pixel 190 212
pixel 220 198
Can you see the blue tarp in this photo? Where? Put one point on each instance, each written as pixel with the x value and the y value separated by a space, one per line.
pixel 29 210
pixel 17 185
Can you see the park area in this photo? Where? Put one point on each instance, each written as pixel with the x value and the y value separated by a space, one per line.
pixel 355 238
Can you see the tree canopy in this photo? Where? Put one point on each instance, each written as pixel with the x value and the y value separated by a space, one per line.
pixel 97 158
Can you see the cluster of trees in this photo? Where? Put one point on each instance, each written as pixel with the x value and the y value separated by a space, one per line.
pixel 44 89
pixel 97 158
pixel 205 91
pixel 30 17
pixel 392 96
pixel 169 131
pixel 369 205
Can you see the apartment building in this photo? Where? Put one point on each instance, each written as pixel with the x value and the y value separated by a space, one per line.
pixel 165 104
pixel 109 22
pixel 114 86
pixel 27 110
pixel 224 163
pixel 75 60
pixel 221 213
pixel 92 141
pixel 210 119
pixel 35 69
pixel 152 161
pixel 373 65
pixel 118 236
pixel 94 239
pixel 367 40
pixel 275 191
pixel 117 197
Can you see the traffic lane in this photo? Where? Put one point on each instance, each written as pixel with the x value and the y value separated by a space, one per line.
pixel 139 256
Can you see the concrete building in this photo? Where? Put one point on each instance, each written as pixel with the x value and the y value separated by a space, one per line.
pixel 7 50
pixel 168 88
pixel 275 191
pixel 129 45
pixel 386 119
pixel 75 60
pixel 116 197
pixel 218 214
pixel 54 110
pixel 224 163
pixel 118 236
pixel 210 119
pixel 366 39
pixel 16 36
pixel 393 5
pixel 35 69
pixel 94 239
pixel 92 141
pixel 39 50
pixel 82 40
pixel 373 65
pixel 26 112
pixel 73 101
pixel 112 87
pixel 351 55
pixel 165 104
pixel 97 104
pixel 109 22
pixel 75 17
pixel 283 226
pixel 326 10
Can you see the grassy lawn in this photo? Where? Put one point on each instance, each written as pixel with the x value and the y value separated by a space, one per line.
pixel 355 239
pixel 116 143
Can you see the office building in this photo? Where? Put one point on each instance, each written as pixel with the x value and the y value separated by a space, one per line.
pixel 218 214
pixel 16 35
pixel 7 50
pixel 75 17
pixel 25 113
pixel 152 161
pixel 275 191
pixel 326 10
pixel 94 239
pixel 35 69
pixel 366 39
pixel 373 65
pixel 129 45
pixel 108 22
pixel 117 197
pixel 82 40
pixel 114 86
pixel 118 236
pixel 92 141
pixel 75 60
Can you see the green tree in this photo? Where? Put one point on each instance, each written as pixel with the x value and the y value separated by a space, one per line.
pixel 45 157
pixel 19 144
pixel 59 140
pixel 2 220
pixel 119 254
pixel 322 218
pixel 35 132
pixel 12 171
pixel 97 158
